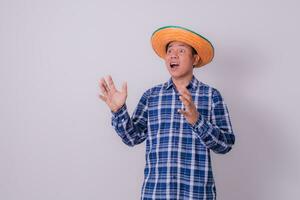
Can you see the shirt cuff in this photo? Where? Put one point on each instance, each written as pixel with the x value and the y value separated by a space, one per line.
pixel 201 126
pixel 120 111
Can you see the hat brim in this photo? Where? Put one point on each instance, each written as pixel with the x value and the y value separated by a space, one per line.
pixel 163 36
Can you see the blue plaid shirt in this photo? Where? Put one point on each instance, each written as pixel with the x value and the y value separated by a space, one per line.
pixel 178 163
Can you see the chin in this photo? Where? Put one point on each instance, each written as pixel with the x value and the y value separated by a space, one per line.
pixel 176 76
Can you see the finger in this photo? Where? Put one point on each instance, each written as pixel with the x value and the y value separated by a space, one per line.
pixel 185 90
pixel 187 97
pixel 103 88
pixel 102 97
pixel 104 84
pixel 124 87
pixel 111 83
pixel 187 94
pixel 189 105
pixel 183 112
pixel 185 101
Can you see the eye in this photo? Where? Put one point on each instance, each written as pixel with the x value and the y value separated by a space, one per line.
pixel 169 51
pixel 181 50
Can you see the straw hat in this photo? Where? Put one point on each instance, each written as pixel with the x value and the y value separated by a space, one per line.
pixel 164 35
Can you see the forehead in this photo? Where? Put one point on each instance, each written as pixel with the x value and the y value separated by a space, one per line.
pixel 178 44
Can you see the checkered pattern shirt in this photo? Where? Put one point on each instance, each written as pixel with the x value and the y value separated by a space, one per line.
pixel 178 162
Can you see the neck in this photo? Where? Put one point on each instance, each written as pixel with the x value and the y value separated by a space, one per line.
pixel 182 82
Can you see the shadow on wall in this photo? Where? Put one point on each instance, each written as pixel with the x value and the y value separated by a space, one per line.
pixel 255 166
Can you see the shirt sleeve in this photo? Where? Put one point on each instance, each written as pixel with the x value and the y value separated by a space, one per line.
pixel 132 130
pixel 216 133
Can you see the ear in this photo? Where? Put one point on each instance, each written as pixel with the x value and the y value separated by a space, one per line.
pixel 196 59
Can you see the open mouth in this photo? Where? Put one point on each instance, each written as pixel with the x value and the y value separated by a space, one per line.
pixel 174 65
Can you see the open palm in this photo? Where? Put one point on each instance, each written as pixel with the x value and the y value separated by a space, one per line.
pixel 111 96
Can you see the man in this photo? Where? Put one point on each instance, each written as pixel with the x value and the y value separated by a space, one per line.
pixel 181 120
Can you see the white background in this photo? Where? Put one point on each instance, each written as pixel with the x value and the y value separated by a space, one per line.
pixel 56 141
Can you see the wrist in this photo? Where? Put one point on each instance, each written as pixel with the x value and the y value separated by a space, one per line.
pixel 118 109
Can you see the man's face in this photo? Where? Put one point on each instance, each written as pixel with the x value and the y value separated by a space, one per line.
pixel 180 59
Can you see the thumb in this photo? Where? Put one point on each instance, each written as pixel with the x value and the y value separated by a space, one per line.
pixel 181 111
pixel 124 87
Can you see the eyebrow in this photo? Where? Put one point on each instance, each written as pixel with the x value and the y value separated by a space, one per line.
pixel 182 45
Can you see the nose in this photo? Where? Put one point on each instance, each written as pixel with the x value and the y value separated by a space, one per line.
pixel 174 54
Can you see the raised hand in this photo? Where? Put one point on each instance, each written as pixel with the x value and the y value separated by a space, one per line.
pixel 111 96
pixel 190 111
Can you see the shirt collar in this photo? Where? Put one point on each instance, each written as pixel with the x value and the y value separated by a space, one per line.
pixel 192 84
